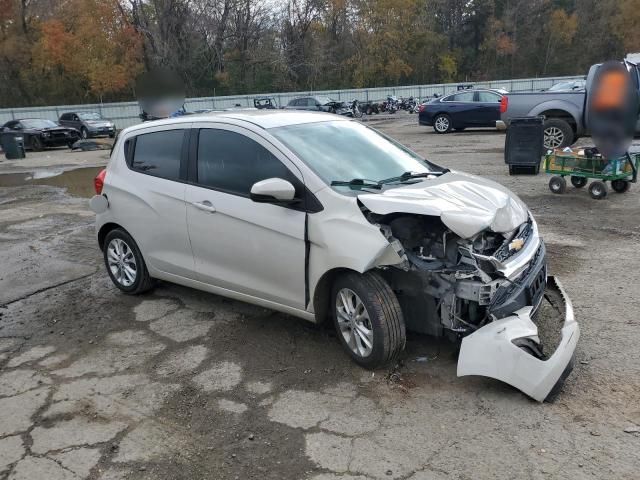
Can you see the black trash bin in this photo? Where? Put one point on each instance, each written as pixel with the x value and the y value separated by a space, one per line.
pixel 12 144
pixel 524 145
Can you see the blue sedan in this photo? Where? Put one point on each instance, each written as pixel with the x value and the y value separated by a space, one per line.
pixel 465 109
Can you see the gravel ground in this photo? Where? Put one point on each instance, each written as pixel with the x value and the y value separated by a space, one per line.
pixel 179 384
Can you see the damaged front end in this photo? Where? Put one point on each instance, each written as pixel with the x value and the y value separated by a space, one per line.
pixel 486 289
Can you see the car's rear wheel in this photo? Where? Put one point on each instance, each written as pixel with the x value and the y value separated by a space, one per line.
pixel 557 133
pixel 84 133
pixel 125 264
pixel 368 319
pixel 442 123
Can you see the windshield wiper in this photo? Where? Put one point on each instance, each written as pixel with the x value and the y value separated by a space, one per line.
pixel 356 182
pixel 411 175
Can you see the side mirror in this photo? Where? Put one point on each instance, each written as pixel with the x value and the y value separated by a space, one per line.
pixel 273 190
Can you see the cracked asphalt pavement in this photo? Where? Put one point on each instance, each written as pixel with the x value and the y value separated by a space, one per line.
pixel 180 384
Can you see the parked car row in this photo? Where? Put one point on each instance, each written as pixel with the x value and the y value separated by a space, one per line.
pixel 40 133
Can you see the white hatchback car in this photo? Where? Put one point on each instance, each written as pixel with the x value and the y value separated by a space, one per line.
pixel 322 217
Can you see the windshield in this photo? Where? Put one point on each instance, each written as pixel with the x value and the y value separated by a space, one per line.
pixel 343 151
pixel 38 123
pixel 90 116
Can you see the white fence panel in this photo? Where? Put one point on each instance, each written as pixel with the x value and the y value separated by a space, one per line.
pixel 125 114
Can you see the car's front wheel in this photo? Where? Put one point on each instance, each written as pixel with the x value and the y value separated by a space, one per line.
pixel 36 144
pixel 442 123
pixel 368 319
pixel 125 264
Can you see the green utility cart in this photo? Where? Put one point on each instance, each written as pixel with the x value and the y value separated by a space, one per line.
pixel 621 172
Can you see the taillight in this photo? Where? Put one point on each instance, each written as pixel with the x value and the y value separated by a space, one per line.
pixel 504 104
pixel 98 182
pixel 421 108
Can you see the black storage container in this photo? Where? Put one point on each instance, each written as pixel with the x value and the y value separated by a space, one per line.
pixel 523 147
pixel 12 144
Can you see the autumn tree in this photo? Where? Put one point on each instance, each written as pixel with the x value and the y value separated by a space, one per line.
pixel 91 45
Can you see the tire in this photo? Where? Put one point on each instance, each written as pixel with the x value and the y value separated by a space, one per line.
pixel 130 255
pixel 558 184
pixel 36 144
pixel 442 123
pixel 557 134
pixel 620 186
pixel 84 133
pixel 370 295
pixel 578 182
pixel 369 111
pixel 357 112
pixel 598 190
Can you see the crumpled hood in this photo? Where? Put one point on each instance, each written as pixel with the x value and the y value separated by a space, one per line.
pixel 466 204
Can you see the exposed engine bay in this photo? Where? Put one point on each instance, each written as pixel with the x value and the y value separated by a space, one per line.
pixel 452 286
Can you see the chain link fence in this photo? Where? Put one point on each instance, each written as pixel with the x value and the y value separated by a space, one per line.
pixel 125 114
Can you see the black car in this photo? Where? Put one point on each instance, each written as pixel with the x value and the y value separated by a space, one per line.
pixel 460 110
pixel 265 103
pixel 39 133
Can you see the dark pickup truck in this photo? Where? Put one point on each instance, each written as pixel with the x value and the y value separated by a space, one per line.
pixel 564 112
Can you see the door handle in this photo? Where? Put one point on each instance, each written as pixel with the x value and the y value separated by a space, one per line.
pixel 206 206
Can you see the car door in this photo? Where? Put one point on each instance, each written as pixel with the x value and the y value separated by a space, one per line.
pixel 460 107
pixel 75 122
pixel 487 109
pixel 257 249
pixel 149 198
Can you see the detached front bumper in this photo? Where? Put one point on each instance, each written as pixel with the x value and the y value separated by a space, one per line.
pixel 492 351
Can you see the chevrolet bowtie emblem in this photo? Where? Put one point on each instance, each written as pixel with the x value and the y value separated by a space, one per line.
pixel 517 244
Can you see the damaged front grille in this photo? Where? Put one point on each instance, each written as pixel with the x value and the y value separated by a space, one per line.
pixel 527 290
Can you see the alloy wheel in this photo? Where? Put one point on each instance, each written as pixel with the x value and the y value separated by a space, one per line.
pixel 122 262
pixel 553 137
pixel 442 124
pixel 354 323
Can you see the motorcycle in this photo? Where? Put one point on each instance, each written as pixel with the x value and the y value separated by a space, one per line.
pixel 351 109
pixel 391 104
pixel 354 109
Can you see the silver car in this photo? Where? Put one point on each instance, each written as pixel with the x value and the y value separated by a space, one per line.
pixel 89 124
pixel 324 218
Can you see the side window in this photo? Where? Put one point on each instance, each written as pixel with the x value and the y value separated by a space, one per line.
pixel 488 97
pixel 158 153
pixel 231 162
pixel 463 97
pixel 311 102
